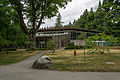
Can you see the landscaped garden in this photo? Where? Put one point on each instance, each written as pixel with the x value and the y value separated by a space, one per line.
pixel 64 61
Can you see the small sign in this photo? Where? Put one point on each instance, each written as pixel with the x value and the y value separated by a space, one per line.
pixel 79 42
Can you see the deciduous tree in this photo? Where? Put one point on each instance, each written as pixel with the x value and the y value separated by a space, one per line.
pixel 34 12
pixel 10 32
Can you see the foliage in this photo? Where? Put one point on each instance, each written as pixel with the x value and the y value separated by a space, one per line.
pixel 5 18
pixel 112 9
pixel 10 31
pixel 69 25
pixel 99 22
pixel 34 12
pixel 82 21
pixel 72 46
pixel 91 20
pixel 106 18
pixel 82 36
pixel 58 23
pixel 10 49
pixel 51 45
pixel 96 48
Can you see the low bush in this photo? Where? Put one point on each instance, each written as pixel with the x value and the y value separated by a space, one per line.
pixel 71 46
pixel 10 49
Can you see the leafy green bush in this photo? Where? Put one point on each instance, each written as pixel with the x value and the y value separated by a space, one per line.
pixel 51 44
pixel 71 46
pixel 74 47
pixel 82 36
pixel 96 47
pixel 10 49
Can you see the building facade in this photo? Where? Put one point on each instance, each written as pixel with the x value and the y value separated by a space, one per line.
pixel 62 36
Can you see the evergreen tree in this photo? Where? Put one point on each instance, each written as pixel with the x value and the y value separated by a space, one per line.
pixel 58 23
pixel 81 22
pixel 112 9
pixel 99 21
pixel 70 24
pixel 90 25
pixel 105 18
pixel 99 5
pixel 74 23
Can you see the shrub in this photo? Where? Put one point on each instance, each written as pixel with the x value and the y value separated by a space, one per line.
pixel 96 47
pixel 71 46
pixel 51 44
pixel 10 49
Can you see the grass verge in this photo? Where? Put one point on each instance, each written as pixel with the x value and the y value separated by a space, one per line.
pixel 64 61
pixel 15 56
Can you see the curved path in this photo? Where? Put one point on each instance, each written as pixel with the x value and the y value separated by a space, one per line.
pixel 22 71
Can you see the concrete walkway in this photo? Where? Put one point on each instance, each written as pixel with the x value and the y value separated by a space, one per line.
pixel 22 71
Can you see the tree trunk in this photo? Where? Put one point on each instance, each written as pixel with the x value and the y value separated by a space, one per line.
pixel 33 43
pixel 7 49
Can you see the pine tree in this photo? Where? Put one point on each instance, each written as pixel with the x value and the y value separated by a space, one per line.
pixel 99 6
pixel 58 23
pixel 74 23
pixel 70 24
pixel 99 21
pixel 89 25
pixel 81 22
pixel 112 16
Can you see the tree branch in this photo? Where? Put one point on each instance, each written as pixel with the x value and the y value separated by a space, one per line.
pixel 42 17
pixel 17 4
pixel 39 23
pixel 33 14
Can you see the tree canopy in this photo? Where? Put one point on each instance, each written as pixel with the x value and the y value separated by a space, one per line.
pixel 58 21
pixel 10 31
pixel 34 12
pixel 106 18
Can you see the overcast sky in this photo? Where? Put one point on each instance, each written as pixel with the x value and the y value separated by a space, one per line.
pixel 72 11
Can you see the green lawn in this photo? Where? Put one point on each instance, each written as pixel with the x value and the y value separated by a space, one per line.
pixel 64 61
pixel 15 56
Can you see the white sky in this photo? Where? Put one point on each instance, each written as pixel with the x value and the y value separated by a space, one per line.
pixel 73 11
